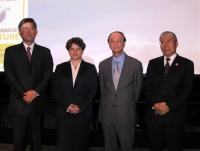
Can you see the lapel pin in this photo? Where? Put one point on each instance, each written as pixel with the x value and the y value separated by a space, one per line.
pixel 176 64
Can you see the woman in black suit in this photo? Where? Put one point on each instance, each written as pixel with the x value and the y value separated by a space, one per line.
pixel 74 86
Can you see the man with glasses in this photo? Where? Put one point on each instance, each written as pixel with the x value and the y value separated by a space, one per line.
pixel 28 71
pixel 121 83
pixel 168 85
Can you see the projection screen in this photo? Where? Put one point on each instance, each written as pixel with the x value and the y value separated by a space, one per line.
pixel 142 22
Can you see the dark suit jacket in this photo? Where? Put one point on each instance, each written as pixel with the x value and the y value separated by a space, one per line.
pixel 23 76
pixel 174 89
pixel 124 99
pixel 82 94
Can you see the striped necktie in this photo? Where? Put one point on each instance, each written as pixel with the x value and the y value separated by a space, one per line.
pixel 29 53
pixel 167 66
pixel 116 74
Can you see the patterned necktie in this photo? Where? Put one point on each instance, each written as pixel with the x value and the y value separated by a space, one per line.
pixel 116 74
pixel 167 66
pixel 29 53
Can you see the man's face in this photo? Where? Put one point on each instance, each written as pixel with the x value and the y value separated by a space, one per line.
pixel 116 42
pixel 28 32
pixel 168 45
pixel 75 52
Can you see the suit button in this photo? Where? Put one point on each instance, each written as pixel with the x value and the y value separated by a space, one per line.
pixel 165 79
pixel 113 106
pixel 115 95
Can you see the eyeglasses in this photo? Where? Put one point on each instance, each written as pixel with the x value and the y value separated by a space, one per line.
pixel 166 42
pixel 115 41
pixel 28 28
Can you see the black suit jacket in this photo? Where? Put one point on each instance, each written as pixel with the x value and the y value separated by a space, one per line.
pixel 23 76
pixel 82 94
pixel 174 89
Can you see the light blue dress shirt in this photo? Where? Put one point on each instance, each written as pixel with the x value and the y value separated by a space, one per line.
pixel 120 63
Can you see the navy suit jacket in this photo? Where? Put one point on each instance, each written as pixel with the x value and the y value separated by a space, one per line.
pixel 174 89
pixel 23 76
pixel 82 94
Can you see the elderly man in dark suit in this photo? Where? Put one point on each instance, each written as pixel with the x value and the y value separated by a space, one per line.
pixel 168 85
pixel 28 71
pixel 120 83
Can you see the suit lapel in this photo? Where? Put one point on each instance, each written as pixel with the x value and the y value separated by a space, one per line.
pixel 125 70
pixel 109 73
pixel 81 72
pixel 35 54
pixel 161 67
pixel 67 73
pixel 174 66
pixel 22 52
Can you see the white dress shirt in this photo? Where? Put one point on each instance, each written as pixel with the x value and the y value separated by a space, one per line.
pixel 74 71
pixel 31 46
pixel 74 74
pixel 171 59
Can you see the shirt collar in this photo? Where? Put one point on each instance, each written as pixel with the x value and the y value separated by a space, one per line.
pixel 31 46
pixel 78 64
pixel 171 58
pixel 120 59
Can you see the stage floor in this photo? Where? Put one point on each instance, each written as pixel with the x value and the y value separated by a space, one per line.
pixel 9 147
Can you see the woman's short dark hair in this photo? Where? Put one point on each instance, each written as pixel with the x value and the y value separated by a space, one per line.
pixel 75 40
pixel 26 20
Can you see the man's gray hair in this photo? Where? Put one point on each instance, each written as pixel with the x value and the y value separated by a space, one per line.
pixel 169 33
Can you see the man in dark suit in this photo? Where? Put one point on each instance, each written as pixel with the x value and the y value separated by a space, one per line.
pixel 168 85
pixel 28 71
pixel 120 83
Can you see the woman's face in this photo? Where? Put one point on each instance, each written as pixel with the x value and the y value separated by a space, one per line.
pixel 75 52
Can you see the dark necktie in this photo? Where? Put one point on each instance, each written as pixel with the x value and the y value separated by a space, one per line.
pixel 116 74
pixel 29 53
pixel 167 66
